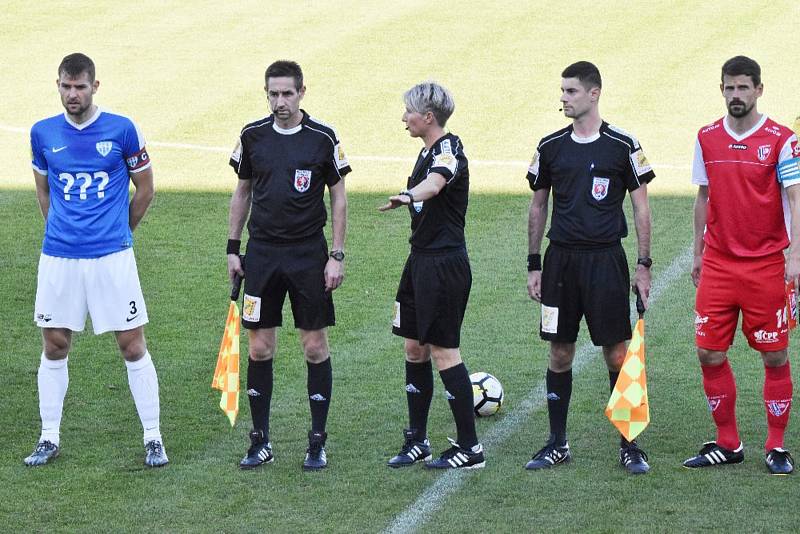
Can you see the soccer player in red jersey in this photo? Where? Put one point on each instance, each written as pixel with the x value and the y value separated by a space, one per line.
pixel 747 168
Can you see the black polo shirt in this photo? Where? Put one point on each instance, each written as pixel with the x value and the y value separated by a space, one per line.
pixel 289 170
pixel 438 223
pixel 589 178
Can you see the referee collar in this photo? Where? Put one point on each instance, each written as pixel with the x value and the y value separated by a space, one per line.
pixel 585 140
pixel 290 131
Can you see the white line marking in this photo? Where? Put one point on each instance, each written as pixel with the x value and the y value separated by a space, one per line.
pixel 381 159
pixel 417 514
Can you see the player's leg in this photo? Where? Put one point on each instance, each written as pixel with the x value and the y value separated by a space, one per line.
pixel 466 452
pixel 313 311
pixel 59 310
pixel 778 402
pixel 319 385
pixel 419 394
pixel 764 323
pixel 561 312
pixel 261 349
pixel 716 316
pixel 52 381
pixel 418 373
pixel 143 383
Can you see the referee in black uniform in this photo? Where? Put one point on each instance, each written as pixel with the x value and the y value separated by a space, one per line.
pixel 436 281
pixel 590 166
pixel 284 162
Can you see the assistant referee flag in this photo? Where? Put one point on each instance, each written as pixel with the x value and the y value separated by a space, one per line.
pixel 226 374
pixel 628 408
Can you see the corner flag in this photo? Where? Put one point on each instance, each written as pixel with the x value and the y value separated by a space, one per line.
pixel 628 408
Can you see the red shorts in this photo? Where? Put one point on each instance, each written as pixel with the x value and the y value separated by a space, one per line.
pixel 753 285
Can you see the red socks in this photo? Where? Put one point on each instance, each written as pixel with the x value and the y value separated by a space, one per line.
pixel 720 387
pixel 778 401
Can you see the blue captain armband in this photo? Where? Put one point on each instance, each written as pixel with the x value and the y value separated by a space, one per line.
pixel 789 171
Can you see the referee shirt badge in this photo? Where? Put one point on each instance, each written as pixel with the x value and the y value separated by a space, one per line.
pixel 600 187
pixel 103 147
pixel 302 180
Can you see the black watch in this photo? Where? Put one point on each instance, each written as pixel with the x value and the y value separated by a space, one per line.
pixel 645 262
pixel 337 255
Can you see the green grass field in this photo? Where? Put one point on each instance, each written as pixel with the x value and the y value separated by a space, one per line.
pixel 192 74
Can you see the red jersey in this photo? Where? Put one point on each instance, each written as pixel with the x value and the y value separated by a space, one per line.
pixel 748 213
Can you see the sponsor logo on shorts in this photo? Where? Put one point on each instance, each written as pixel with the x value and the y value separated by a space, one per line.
pixel 449 395
pixel 253 393
pixel 714 402
pixel 763 336
pixel 764 152
pixel 699 321
pixel 778 407
pixel 129 319
pixel 46 317
pixel 553 396
pixel 549 319
pixel 600 187
pixel 103 147
pixel 396 315
pixel 302 180
pixel 317 397
pixel 418 206
pixel 251 308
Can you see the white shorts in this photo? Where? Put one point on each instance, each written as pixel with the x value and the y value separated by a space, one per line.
pixel 107 287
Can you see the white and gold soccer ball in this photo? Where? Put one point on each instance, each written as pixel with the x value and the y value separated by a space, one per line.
pixel 487 394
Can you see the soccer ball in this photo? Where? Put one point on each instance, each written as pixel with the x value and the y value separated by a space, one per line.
pixel 487 394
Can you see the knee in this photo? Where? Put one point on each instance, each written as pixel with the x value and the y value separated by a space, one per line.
pixel 775 359
pixel 316 350
pixel 560 358
pixel 56 346
pixel 261 349
pixel 416 353
pixel 711 357
pixel 133 350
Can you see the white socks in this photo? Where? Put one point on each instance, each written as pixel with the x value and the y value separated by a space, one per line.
pixel 143 382
pixel 53 379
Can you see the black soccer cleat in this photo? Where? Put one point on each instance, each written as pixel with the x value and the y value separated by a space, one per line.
pixel 315 453
pixel 43 453
pixel 634 459
pixel 779 462
pixel 259 453
pixel 549 456
pixel 713 454
pixel 154 454
pixel 413 451
pixel 457 457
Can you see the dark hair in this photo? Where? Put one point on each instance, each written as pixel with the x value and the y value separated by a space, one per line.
pixel 586 73
pixel 76 64
pixel 742 66
pixel 286 68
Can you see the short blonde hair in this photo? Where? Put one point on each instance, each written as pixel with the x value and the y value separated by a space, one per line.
pixel 430 96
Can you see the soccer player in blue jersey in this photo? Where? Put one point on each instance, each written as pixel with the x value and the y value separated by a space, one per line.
pixel 83 163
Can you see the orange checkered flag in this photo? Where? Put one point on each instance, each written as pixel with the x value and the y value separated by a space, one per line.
pixel 628 408
pixel 226 374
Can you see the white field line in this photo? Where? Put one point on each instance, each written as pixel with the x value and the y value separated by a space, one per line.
pixel 417 513
pixel 522 164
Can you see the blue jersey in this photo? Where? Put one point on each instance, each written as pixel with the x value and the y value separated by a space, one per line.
pixel 87 168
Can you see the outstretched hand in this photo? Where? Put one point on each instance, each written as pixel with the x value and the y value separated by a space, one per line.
pixel 395 202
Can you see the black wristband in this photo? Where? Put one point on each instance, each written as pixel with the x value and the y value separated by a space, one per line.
pixel 234 245
pixel 534 262
pixel 407 193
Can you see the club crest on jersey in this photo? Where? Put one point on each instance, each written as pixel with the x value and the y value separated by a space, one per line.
pixel 103 147
pixel 764 151
pixel 302 180
pixel 778 407
pixel 600 187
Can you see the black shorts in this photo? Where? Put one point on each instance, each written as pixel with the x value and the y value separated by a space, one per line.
pixel 594 283
pixel 432 298
pixel 272 270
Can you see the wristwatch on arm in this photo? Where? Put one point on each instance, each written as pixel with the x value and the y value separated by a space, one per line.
pixel 337 255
